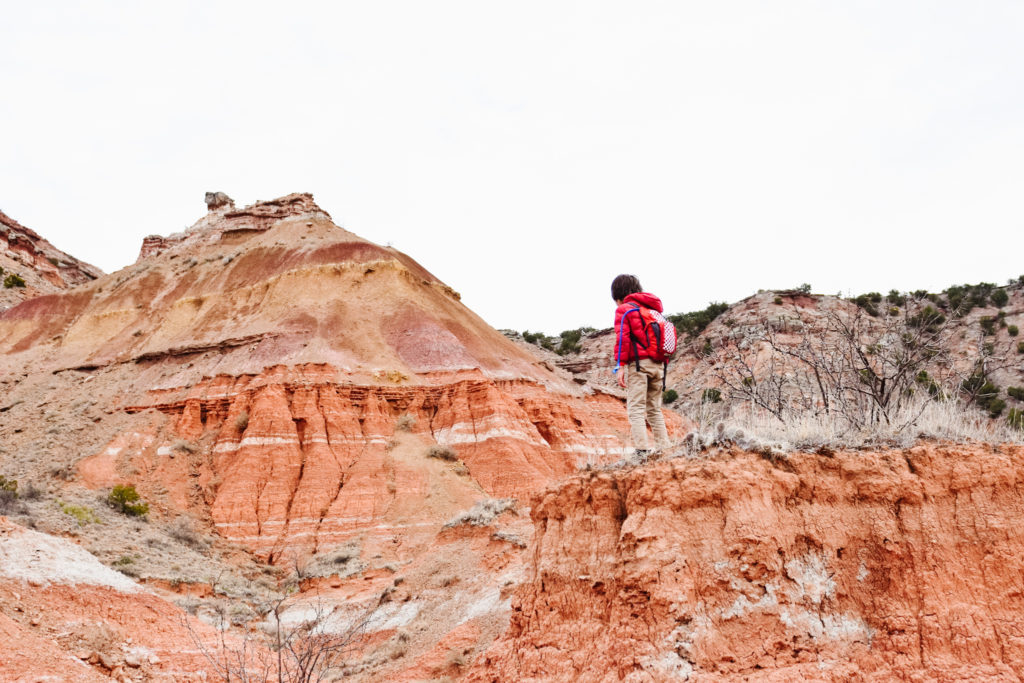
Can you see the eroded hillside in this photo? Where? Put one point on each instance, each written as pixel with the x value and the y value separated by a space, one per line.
pixel 893 565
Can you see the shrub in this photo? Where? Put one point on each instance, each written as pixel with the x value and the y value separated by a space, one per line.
pixel 1020 347
pixel 693 323
pixel 669 396
pixel 999 298
pixel 126 500
pixel 184 445
pixel 868 301
pixel 995 407
pixel 13 280
pixel 8 495
pixel 929 319
pixel 1016 418
pixel 181 530
pixel 988 325
pixel 778 301
pixel 1012 330
pixel 83 514
pixel 707 349
pixel 405 422
pixel 711 396
pixel 1016 392
pixel 571 340
pixel 242 421
pixel 924 380
pixel 483 512
pixel 442 453
pixel 805 288
pixel 895 298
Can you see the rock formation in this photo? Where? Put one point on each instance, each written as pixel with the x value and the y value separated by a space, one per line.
pixel 282 350
pixel 216 200
pixel 323 402
pixel 43 268
pixel 895 565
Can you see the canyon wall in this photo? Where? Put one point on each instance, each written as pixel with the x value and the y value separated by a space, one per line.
pixel 892 565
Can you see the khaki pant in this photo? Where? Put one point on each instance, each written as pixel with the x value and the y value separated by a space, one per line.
pixel 643 403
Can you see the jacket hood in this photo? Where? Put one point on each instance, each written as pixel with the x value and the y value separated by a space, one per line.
pixel 645 299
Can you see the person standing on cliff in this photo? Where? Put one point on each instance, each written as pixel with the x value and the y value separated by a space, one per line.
pixel 637 373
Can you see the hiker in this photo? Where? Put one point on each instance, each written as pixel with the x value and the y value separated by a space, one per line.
pixel 640 361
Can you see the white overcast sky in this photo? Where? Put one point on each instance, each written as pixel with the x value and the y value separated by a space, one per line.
pixel 527 152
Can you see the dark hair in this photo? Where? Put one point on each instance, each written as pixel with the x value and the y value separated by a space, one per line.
pixel 624 285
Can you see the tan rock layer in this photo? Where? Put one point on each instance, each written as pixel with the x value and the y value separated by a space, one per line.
pixel 862 566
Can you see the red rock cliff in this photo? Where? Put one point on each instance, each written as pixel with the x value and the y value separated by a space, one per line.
pixel 43 267
pixel 901 565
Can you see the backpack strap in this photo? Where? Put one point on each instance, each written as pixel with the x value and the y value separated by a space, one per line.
pixel 618 348
pixel 664 378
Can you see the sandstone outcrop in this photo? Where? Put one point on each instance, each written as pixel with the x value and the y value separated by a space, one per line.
pixel 43 267
pixel 282 350
pixel 216 200
pixel 894 565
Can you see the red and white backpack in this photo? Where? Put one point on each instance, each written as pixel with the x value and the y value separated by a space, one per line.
pixel 660 337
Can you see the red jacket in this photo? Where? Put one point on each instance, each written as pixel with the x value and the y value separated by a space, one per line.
pixel 633 324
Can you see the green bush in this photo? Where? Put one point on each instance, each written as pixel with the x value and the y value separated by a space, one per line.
pixel 693 323
pixel 995 407
pixel 868 302
pixel 707 349
pixel 988 325
pixel 1020 347
pixel 961 299
pixel 778 301
pixel 10 485
pixel 930 319
pixel 13 280
pixel 125 499
pixel 1016 392
pixel 1012 330
pixel 999 298
pixel 670 396
pixel 571 340
pixel 805 288
pixel 925 381
pixel 83 514
pixel 895 298
pixel 711 396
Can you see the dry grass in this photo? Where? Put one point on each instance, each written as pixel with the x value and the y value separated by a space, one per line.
pixel 803 431
pixel 184 445
pixel 442 453
pixel 405 423
pixel 483 512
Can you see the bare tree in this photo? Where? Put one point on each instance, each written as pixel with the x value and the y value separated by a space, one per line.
pixel 851 364
pixel 304 650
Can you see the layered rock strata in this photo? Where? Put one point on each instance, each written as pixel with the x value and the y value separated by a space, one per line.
pixel 898 565
pixel 265 356
pixel 43 267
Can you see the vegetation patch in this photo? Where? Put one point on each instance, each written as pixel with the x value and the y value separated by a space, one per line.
pixel 126 500
pixel 442 453
pixel 84 515
pixel 13 280
pixel 483 512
